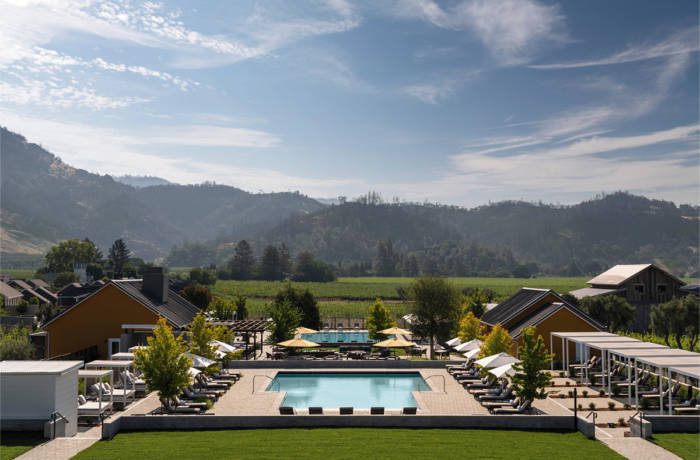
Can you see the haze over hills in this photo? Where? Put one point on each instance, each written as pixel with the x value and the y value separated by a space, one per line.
pixel 45 200
pixel 141 181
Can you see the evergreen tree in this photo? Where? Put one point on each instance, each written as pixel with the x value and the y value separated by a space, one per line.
pixel 470 327
pixel 611 310
pixel 285 261
pixel 386 261
pixel 241 310
pixel 285 319
pixel 270 265
pixel 198 295
pixel 242 264
pixel 163 363
pixel 497 341
pixel 531 373
pixel 305 302
pixel 436 306
pixel 118 257
pixel 379 318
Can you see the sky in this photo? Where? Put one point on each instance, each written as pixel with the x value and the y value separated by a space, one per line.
pixel 461 102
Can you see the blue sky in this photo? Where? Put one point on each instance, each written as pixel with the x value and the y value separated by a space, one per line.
pixel 460 102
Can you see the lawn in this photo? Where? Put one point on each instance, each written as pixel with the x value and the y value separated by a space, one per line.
pixel 14 444
pixel 369 288
pixel 348 443
pixel 685 445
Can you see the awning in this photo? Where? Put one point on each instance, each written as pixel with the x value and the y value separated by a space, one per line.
pixel 592 292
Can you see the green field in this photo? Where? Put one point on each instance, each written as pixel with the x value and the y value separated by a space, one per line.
pixel 685 445
pixel 386 288
pixel 14 444
pixel 20 273
pixel 348 443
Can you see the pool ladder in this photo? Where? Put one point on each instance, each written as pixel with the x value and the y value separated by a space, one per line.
pixel 444 388
pixel 256 376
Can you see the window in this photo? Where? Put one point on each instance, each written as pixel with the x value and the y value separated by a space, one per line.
pixel 661 289
pixel 639 288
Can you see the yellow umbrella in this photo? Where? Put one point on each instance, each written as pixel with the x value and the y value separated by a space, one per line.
pixel 394 331
pixel 298 343
pixel 394 343
pixel 304 330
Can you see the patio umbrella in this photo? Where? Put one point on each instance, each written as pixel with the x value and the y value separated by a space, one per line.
pixel 468 346
pixel 497 360
pixel 222 346
pixel 193 372
pixel 200 361
pixel 471 354
pixel 502 371
pixel 394 343
pixel 394 331
pixel 304 330
pixel 137 347
pixel 298 343
pixel 453 342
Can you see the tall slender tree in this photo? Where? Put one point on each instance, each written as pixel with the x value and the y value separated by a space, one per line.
pixel 531 375
pixel 270 266
pixel 118 257
pixel 242 264
pixel 436 307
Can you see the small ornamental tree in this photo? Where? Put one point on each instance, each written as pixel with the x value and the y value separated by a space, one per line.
pixel 531 376
pixel 497 341
pixel 241 310
pixel 221 309
pixel 200 334
pixel 164 365
pixel 15 344
pixel 285 319
pixel 198 295
pixel 379 319
pixel 470 327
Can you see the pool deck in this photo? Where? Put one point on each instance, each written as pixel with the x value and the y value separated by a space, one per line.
pixel 242 400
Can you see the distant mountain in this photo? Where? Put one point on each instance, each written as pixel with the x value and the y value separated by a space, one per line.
pixel 44 200
pixel 141 181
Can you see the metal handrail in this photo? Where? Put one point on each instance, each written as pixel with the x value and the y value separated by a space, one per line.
pixel 55 415
pixel 641 420
pixel 444 385
pixel 259 375
pixel 595 416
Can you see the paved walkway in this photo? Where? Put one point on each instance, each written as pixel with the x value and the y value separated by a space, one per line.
pixel 637 448
pixel 66 448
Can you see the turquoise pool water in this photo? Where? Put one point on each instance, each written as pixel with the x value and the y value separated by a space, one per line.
pixel 360 390
pixel 339 337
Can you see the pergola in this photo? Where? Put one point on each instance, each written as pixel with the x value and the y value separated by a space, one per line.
pixel 92 408
pixel 584 340
pixel 122 366
pixel 684 359
pixel 248 326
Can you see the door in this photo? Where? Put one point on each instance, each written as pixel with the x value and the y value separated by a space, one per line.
pixel 112 347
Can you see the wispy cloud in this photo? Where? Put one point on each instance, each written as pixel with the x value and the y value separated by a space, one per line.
pixel 682 42
pixel 439 87
pixel 512 30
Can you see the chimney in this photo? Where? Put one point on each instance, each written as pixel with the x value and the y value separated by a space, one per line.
pixel 155 284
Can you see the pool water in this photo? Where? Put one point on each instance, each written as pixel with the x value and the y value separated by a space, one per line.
pixel 360 390
pixel 339 337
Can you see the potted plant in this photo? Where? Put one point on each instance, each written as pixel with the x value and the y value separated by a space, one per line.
pixel 591 406
pixel 611 405
pixel 585 393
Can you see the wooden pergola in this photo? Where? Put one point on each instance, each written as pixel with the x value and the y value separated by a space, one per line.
pixel 247 326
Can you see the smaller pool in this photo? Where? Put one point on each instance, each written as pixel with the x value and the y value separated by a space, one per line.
pixel 339 337
pixel 361 390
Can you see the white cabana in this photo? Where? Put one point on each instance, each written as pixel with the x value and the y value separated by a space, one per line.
pixel 453 342
pixel 122 395
pixel 99 407
pixel 468 346
pixel 503 371
pixel 471 354
pixel 666 363
pixel 123 355
pixel 497 360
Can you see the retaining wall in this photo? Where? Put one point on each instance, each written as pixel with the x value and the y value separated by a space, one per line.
pixel 674 423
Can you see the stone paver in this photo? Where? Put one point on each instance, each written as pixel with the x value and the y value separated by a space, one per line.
pixel 636 448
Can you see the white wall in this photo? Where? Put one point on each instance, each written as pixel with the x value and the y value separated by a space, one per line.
pixel 66 400
pixel 27 397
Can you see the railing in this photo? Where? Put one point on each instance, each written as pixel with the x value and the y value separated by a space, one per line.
pixel 55 415
pixel 641 420
pixel 256 376
pixel 444 387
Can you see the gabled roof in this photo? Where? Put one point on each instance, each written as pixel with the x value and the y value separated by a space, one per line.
pixel 20 284
pixel 514 304
pixel 545 312
pixel 177 310
pixel 8 291
pixel 621 273
pixel 38 282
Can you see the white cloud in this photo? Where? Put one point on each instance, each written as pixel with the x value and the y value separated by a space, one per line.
pixel 682 42
pixel 512 30
pixel 439 88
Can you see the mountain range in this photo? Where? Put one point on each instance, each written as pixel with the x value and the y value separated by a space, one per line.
pixel 45 200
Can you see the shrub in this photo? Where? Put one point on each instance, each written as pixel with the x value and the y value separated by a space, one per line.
pixel 571 394
pixel 591 406
pixel 580 406
pixel 645 404
pixel 621 421
pixel 561 374
pixel 584 393
pixel 611 405
pixel 562 396
pixel 627 406
pixel 616 390
pixel 601 393
pixel 567 383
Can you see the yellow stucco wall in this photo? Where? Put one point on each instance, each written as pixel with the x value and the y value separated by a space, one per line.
pixel 94 320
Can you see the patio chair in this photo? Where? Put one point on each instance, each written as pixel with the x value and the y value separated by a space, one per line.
pixel 346 411
pixel 376 411
pixel 514 403
pixel 489 391
pixel 409 410
pixel 502 396
pixel 204 382
pixel 286 410
pixel 180 402
pixel 481 385
pixel 315 410
pixel 522 408
pixel 171 408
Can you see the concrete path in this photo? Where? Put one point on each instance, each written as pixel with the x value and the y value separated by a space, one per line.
pixel 66 448
pixel 632 447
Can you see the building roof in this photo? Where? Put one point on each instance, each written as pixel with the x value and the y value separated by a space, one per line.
pixel 545 312
pixel 244 325
pixel 8 291
pixel 39 367
pixel 621 273
pixel 511 306
pixel 38 282
pixel 592 292
pixel 177 310
pixel 21 284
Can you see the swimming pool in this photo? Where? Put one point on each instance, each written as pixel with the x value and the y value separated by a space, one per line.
pixel 341 337
pixel 360 390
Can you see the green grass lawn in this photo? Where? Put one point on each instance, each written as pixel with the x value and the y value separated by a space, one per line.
pixel 685 445
pixel 348 443
pixel 14 444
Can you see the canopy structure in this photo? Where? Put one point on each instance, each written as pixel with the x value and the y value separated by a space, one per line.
pixel 99 407
pixel 127 391
pixel 123 356
pixel 395 331
pixel 503 371
pixel 453 342
pixel 497 360
pixel 200 362
pixel 394 343
pixel 304 330
pixel 248 327
pixel 298 343
pixel 222 346
pixel 471 354
pixel 468 346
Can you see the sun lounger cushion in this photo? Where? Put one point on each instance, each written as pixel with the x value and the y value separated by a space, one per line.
pixel 409 411
pixel 286 410
pixel 376 411
pixel 346 411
